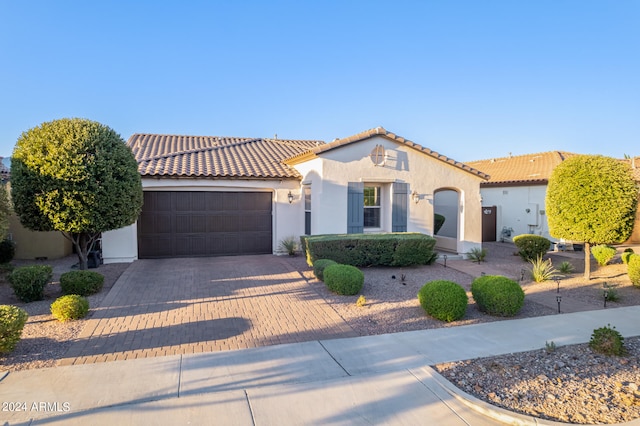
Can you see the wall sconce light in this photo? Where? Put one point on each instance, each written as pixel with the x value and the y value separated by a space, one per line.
pixel 415 196
pixel 290 197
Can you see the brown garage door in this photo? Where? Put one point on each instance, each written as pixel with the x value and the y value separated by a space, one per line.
pixel 186 224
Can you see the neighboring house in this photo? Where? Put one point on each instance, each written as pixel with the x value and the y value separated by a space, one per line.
pixel 513 199
pixel 208 196
pixel 31 244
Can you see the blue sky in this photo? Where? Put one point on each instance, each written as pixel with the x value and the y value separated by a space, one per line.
pixel 469 79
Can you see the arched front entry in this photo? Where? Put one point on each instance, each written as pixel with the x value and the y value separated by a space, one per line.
pixel 446 208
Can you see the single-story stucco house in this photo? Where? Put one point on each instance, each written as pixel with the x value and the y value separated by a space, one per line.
pixel 513 199
pixel 209 196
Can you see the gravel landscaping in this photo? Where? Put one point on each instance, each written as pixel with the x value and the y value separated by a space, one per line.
pixel 570 384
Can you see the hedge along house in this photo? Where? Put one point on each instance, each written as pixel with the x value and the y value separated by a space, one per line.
pixel 210 196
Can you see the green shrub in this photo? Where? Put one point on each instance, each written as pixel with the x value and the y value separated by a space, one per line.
pixel 319 265
pixel 70 307
pixel 607 340
pixel 28 282
pixel 289 245
pixel 83 283
pixel 497 295
pixel 477 254
pixel 633 269
pixel 343 279
pixel 566 267
pixel 542 270
pixel 7 250
pixel 610 293
pixel 626 255
pixel 12 321
pixel 443 300
pixel 531 246
pixel 603 253
pixel 392 249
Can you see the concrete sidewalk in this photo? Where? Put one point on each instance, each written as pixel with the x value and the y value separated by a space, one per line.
pixel 382 379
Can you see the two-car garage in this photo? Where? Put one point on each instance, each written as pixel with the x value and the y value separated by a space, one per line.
pixel 202 223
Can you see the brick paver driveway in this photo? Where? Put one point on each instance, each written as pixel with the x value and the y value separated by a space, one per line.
pixel 176 306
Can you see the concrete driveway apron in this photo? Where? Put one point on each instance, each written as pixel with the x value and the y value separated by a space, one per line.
pixel 177 306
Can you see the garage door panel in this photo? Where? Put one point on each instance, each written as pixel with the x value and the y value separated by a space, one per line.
pixel 198 223
pixel 205 224
pixel 183 201
pixel 213 201
pixel 223 223
pixel 158 201
pixel 183 224
pixel 260 242
pixel 223 243
pixel 230 201
pixel 255 223
pixel 156 246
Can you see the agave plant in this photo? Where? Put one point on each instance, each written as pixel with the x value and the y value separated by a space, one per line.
pixel 542 270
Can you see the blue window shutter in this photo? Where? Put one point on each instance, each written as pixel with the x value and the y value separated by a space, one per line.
pixel 399 207
pixel 355 208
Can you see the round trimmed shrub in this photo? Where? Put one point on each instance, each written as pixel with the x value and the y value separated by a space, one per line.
pixel 497 295
pixel 603 253
pixel 28 282
pixel 12 321
pixel 7 250
pixel 626 255
pixel 607 340
pixel 343 279
pixel 70 307
pixel 633 269
pixel 83 283
pixel 443 300
pixel 531 246
pixel 319 266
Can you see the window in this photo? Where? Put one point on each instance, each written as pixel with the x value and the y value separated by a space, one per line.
pixel 372 207
pixel 307 209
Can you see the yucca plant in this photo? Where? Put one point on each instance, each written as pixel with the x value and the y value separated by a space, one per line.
pixel 289 245
pixel 566 268
pixel 477 254
pixel 542 270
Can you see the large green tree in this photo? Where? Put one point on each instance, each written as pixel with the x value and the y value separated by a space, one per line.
pixel 75 176
pixel 592 199
pixel 5 210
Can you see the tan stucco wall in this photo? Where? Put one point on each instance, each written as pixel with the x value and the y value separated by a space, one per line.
pixel 31 244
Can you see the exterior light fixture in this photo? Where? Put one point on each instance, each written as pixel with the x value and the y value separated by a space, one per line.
pixel 290 197
pixel 415 196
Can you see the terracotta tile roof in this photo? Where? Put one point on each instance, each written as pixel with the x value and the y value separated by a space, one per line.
pixel 380 131
pixel 521 169
pixel 212 156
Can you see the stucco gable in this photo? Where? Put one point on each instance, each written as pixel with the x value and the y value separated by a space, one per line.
pixel 317 151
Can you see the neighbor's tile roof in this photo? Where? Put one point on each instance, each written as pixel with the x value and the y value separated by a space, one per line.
pixel 381 131
pixel 212 156
pixel 521 169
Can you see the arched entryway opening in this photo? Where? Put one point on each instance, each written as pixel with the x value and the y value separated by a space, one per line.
pixel 446 220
